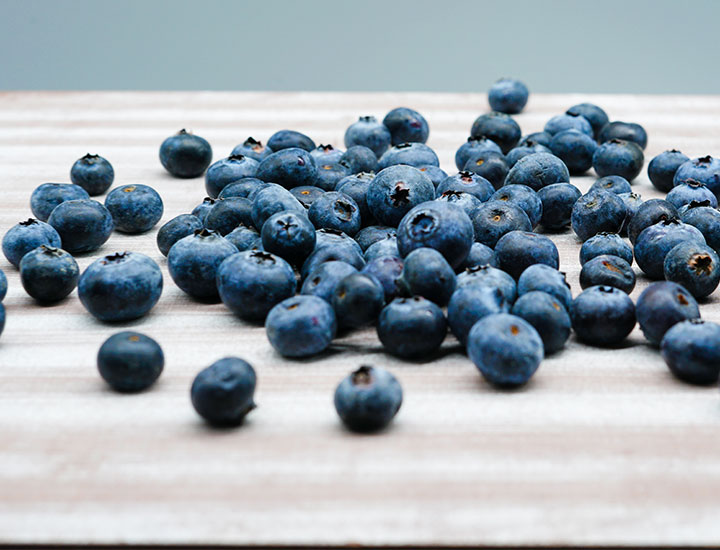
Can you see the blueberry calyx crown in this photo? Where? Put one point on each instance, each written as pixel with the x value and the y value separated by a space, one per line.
pixel 465 174
pixel 114 258
pixel 209 200
pixel 606 289
pixel 707 159
pixel 617 141
pixel 694 183
pixel 367 118
pixel 90 158
pixel 698 204
pixel 183 132
pixel 362 376
pixel 672 220
pixel 673 151
pixel 697 321
pixel 236 156
pixel 478 268
pixel 400 195
pixel 204 232
pixel 331 231
pixel 701 264
pixel 29 221
pixel 405 145
pixel 50 250
pixel 261 257
pixel 452 195
pixel 325 148
pixel 254 143
pixel 365 175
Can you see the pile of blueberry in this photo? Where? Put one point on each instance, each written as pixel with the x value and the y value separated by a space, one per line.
pixel 311 240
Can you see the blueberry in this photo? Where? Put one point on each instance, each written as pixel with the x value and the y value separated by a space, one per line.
pixel 548 317
pixel 612 184
pixel 411 327
pixel 372 234
pixel 412 154
pixel 427 273
pixel 360 159
pixel 706 219
pixel 332 238
pixel 608 270
pixel 134 208
pixel 596 212
pixel 329 175
pixel 328 254
pixel 498 127
pixel 193 262
pixel 223 393
pixel 271 200
pixel 469 304
pixel 690 190
pixel 523 197
pixel 436 174
pixel 26 236
pixel 406 126
pixel 575 149
pixel 546 279
pixel 47 196
pixel 290 168
pixel 661 305
pixel 568 121
pixel 469 203
pixel 618 158
pixel 486 275
pixel 246 238
pixel 130 362
pixel 467 182
pixel 508 95
pixel 307 194
pixel 596 116
pixel 703 169
pixel 662 168
pixel 557 200
pixel 695 266
pixel 228 170
pixel 489 165
pixel 474 145
pixel 654 243
pixel 368 132
pixel 324 279
pixel 479 254
pixel 628 131
pixel 386 271
pixel 602 316
pixel 289 235
pixel 301 326
pixel 632 201
pixel 540 138
pixel 175 229
pixel 384 247
pixel 246 188
pixel 335 210
pixel 395 191
pixel 289 139
pixel 691 349
pixel 326 154
pixel 368 399
pixel 227 214
pixel 605 244
pixel 252 148
pixel 48 274
pixel 185 155
pixel 494 219
pixel 356 187
pixel 521 151
pixel 538 170
pixel 505 348
pixel 649 213
pixel 518 250
pixel 357 300
pixel 83 225
pixel 93 173
pixel 120 287
pixel 3 285
pixel 202 210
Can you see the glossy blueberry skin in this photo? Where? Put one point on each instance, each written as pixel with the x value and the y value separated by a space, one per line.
pixel 386 271
pixel 130 361
pixel 706 219
pixel 498 127
pixel 360 159
pixel 494 219
pixel 368 399
pixel 326 154
pixel 688 191
pixel 356 187
pixel 177 228
pixel 384 247
pixel 605 244
pixel 3 285
pixel 26 236
pixel 469 304
pixel 596 116
pixel 608 270
pixel 467 182
pixel 271 200
pixel 357 300
pixel 474 145
pixel 541 138
pixel 596 212
pixel 193 262
pixel 252 148
pixel 202 210
pixel 661 169
pixel 612 184
pixel 703 169
pixel 395 191
pixel 289 235
pixel 694 266
pixel 185 155
pixel 575 149
pixel 649 213
pixel 506 349
pixel 83 225
pixel 93 173
pixel 246 188
pixel 250 283
pixel 335 210
pixel 547 316
pixel 406 126
pixel 412 154
pixel 301 326
pixel 479 254
pixel 602 316
pixel 518 250
pixel 228 170
pixel 134 208
pixel 489 165
pixel 436 174
pixel 324 279
pixel 293 167
pixel 227 214
pixel 307 194
pixel 245 238
pixel 2 317
pixel 411 327
pixel 373 233
pixel 508 95
pixel 222 394
pixel 557 200
pixel 329 175
pixel 48 274
pixel 427 273
pixel 322 255
pixel 537 171
pixel 628 131
pixel 47 196
pixel 654 243
pixel 289 139
pixel 370 133
pixel 546 279
pixel 521 151
pixel 632 201
pixel 560 123
pixel 120 287
pixel 691 349
pixel 469 203
pixel 487 275
pixel 618 158
pixel 661 305
pixel 523 197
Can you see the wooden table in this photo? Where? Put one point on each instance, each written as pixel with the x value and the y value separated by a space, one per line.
pixel 603 447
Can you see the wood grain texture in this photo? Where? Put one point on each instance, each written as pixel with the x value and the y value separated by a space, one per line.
pixel 603 447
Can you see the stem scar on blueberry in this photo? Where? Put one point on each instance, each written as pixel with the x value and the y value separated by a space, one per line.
pixel 292 306
pixel 705 160
pixel 236 157
pixel 129 189
pixel 118 256
pixel 204 232
pixel 29 221
pixel 327 167
pixel 362 376
pixel 514 330
pixel 403 145
pixel 702 264
pixel 683 301
pixel 134 338
pixel 343 210
pixel 479 162
pixel 260 257
pixel 400 195
pixel 610 266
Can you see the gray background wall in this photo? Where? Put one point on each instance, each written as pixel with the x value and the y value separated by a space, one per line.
pixel 661 46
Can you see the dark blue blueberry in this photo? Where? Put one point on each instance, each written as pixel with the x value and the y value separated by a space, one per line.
pixel 381 248
pixel 130 361
pixel 372 234
pixel 649 213
pixel 608 270
pixel 474 145
pixel 508 95
pixel 120 287
pixel 661 305
pixel 193 262
pixel 289 235
pixel 356 187
pixel 252 148
pixel 360 159
pixel 469 304
pixel 329 175
pixel 83 225
pixel 618 158
pixel 703 169
pixel 479 254
pixel 368 399
pixel 654 243
pixel 596 212
pixel 48 274
pixel 518 250
pixel 605 244
pixel 575 149
pixel 706 219
pixel 386 271
pixel 289 139
pixel 323 280
pixel 271 200
pixel 612 184
pixel 602 316
pixel 307 194
pixel 541 138
pixel 568 121
pixel 301 326
pixel 411 327
pixel 93 173
pixel 467 182
pixel 185 155
pixel 487 275
pixel 202 210
pixel 406 126
pixel 632 201
pixel 436 174
pixel 322 254
pixel 332 238
pixel 2 317
pixel 523 197
pixel 489 165
pixel 695 266
pixel 370 133
pixel 223 393
pixel 469 203
pixel 546 279
pixel 494 219
pixel 691 350
pixel 326 154
pixel 246 188
pixel 227 214
pixel 229 170
pixel 357 300
pixel 290 168
pixel 412 154
pixel 3 285
pixel 245 238
pixel 690 190
pixel 335 210
pixel 47 196
pixel 557 200
pixel 505 348
pixel 134 208
pixel 548 317
pixel 662 168
pixel 628 131
pixel 596 116
pixel 498 127
pixel 427 273
pixel 250 283
pixel 395 191
pixel 521 151
pixel 26 236
pixel 538 170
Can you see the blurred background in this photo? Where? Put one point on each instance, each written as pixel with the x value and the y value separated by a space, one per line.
pixel 609 46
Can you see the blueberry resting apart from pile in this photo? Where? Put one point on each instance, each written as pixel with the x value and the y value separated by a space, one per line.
pixel 469 304
pixel 557 201
pixel 538 170
pixel 357 300
pixel 288 139
pixel 427 273
pixel 83 225
pixel 301 326
pixel 602 316
pixel 406 126
pixel 662 168
pixel 252 148
pixel 695 266
pixel 223 392
pixel 3 285
pixel 48 274
pixel 47 196
pixel 548 317
pixel 177 228
pixel 370 133
pixel 93 173
pixel 691 350
pixel 26 236
pixel 368 399
pixel 508 95
pixel 411 327
pixel 130 361
pixel 185 155
pixel 518 250
pixel 134 208
pixel 661 305
pixel 608 270
pixel 228 170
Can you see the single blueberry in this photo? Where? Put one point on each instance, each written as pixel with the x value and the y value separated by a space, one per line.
pixel 632 201
pixel 48 274
pixel 326 154
pixel 661 305
pixel 228 170
pixel 289 139
pixel 223 393
pixel 335 210
pixel 411 327
pixel 290 168
pixel 498 127
pixel 26 236
pixel 324 279
pixel 469 203
pixel 245 238
pixel 662 168
pixel 134 208
pixel 479 254
pixel 523 197
pixel 356 187
pixel 508 95
pixel 540 138
pixel 307 194
pixel 618 158
pixel 649 213
pixel 612 184
pixel 47 196
pixel 628 131
pixel 596 212
pixel 357 300
pixel 372 234
pixel 487 275
pixel 605 244
pixel 467 182
pixel 489 165
pixel 548 317
pixel 546 279
pixel 557 200
pixel 436 174
pixel 575 149
pixel 185 155
pixel 602 316
pixel 406 126
pixel 690 190
pixel 370 133
pixel 427 273
pixel 329 175
pixel 521 151
pixel 360 159
pixel 691 349
pixel 537 171
pixel 246 188
pixel 568 121
pixel 271 200
pixel 350 255
pixel 227 214
pixel 368 399
pixel 518 250
pixel 289 235
pixel 705 169
pixel 395 191
pixel 469 304
pixel 301 326
pixel 412 154
pixel 695 266
pixel 706 219
pixel 202 210
pixel 130 362
pixel 179 227
pixel 386 271
pixel 93 173
pixel 381 248
pixel 608 270
pixel 494 219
